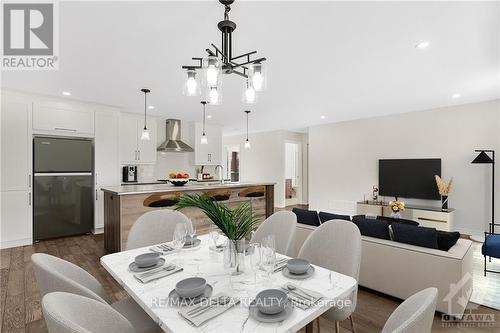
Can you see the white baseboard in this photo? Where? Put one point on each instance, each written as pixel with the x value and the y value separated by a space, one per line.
pixel 15 243
pixel 98 231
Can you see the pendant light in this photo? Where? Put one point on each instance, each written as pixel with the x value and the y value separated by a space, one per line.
pixel 145 132
pixel 204 139
pixel 247 142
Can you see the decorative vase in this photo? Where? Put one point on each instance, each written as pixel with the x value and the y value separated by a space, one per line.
pixel 234 256
pixel 396 215
pixel 444 203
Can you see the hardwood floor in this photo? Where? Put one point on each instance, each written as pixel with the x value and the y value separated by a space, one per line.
pixel 20 308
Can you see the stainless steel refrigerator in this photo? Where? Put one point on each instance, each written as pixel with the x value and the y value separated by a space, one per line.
pixel 63 195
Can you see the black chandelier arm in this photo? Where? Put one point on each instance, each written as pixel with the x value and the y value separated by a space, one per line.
pixel 244 55
pixel 240 74
pixel 256 61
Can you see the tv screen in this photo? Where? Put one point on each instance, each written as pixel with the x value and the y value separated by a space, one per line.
pixel 409 178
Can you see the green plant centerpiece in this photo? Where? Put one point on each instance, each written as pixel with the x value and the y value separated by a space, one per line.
pixel 236 223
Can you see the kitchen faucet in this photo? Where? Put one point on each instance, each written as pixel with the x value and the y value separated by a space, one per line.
pixel 221 174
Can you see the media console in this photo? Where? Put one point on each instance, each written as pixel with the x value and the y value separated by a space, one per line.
pixel 432 217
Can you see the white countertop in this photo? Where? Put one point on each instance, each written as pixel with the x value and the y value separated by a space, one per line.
pixel 162 187
pixel 202 262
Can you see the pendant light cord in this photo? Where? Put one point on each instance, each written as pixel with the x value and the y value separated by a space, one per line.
pixel 247 112
pixel 204 117
pixel 145 107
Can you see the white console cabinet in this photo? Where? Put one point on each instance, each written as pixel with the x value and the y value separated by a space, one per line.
pixel 425 216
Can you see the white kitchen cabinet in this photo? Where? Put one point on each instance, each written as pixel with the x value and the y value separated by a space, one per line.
pixel 210 153
pixel 66 119
pixel 15 227
pixel 133 150
pixel 16 144
pixel 106 158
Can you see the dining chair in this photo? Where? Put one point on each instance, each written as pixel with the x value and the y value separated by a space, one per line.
pixel 70 313
pixel 54 274
pixel 415 315
pixel 336 245
pixel 155 227
pixel 282 225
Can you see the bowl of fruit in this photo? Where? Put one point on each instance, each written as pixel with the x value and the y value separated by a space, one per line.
pixel 178 179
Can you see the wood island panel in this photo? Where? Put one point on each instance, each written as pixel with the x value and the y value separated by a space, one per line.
pixel 122 211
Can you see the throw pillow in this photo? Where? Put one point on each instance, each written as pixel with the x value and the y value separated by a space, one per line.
pixel 420 236
pixel 446 239
pixel 309 217
pixel 392 219
pixel 373 228
pixel 323 217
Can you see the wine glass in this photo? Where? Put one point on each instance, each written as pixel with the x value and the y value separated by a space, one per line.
pixel 179 239
pixel 192 232
pixel 255 255
pixel 268 255
pixel 214 235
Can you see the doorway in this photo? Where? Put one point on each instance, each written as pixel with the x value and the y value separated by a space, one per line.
pixel 232 163
pixel 293 172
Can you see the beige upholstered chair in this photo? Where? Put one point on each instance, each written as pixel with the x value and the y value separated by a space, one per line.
pixel 155 227
pixel 54 274
pixel 415 315
pixel 282 225
pixel 70 313
pixel 336 245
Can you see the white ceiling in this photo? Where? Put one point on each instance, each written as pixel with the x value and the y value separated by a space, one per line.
pixel 342 60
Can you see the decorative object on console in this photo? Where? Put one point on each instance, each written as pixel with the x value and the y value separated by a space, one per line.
pixel 444 191
pixel 221 61
pixel 375 193
pixel 145 131
pixel 236 223
pixel 396 208
pixel 484 158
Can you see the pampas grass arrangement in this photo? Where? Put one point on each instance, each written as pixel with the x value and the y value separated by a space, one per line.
pixel 444 189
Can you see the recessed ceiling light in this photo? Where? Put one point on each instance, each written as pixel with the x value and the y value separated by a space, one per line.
pixel 151 107
pixel 422 45
pixel 455 96
pixel 322 117
pixel 209 116
pixel 66 93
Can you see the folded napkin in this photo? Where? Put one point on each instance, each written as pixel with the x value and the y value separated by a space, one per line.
pixel 156 274
pixel 162 248
pixel 209 309
pixel 280 264
pixel 301 297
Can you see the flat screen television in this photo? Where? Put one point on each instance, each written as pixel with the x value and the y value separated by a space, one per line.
pixel 409 178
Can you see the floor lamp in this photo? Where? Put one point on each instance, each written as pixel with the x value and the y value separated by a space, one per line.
pixel 484 158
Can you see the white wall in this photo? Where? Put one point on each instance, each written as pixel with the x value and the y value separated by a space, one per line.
pixel 343 157
pixel 265 161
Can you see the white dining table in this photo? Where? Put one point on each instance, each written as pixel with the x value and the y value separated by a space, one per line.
pixel 203 262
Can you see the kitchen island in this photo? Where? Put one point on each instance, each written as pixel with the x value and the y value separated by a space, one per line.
pixel 123 205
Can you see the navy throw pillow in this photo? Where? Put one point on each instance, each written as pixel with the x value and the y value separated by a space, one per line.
pixel 358 218
pixel 420 236
pixel 309 217
pixel 323 217
pixel 373 228
pixel 446 239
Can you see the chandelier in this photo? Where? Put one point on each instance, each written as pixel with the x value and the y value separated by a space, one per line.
pixel 221 61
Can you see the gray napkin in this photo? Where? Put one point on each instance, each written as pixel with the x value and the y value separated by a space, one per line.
pixel 214 311
pixel 157 274
pixel 299 298
pixel 161 250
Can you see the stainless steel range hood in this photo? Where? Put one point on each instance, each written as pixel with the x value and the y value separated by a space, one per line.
pixel 173 141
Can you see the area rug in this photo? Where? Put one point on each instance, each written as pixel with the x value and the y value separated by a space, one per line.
pixel 486 290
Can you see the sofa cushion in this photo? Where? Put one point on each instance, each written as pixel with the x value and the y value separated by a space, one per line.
pixel 323 217
pixel 491 246
pixel 447 239
pixel 373 228
pixel 358 218
pixel 309 217
pixel 392 219
pixel 420 236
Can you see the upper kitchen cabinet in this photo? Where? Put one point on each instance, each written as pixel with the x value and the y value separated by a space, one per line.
pixel 62 118
pixel 210 153
pixel 16 144
pixel 133 150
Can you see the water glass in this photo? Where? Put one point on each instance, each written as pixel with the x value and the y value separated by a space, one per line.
pixel 268 255
pixel 214 236
pixel 180 233
pixel 192 232
pixel 255 255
